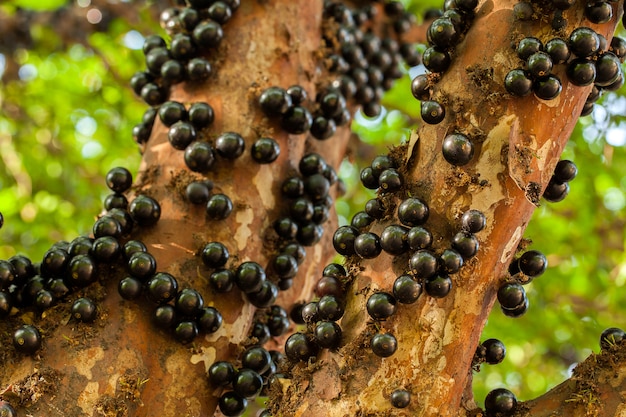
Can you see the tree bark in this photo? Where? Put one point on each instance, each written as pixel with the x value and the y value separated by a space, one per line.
pixel 122 366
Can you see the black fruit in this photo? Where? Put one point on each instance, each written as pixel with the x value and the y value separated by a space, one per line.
pixel 199 156
pixel 500 400
pixel 221 373
pixel 556 191
pixel 423 264
pixel 119 179
pixel 201 115
pixel 230 145
pixel 265 150
pixel 565 171
pixel 141 265
pixel 232 404
pixel 197 192
pixel 547 88
pixel 367 245
pixel 584 42
pixel 466 244
pixel 539 64
pixel 299 348
pixel 189 303
pixel 327 334
pixel 275 101
pixel 511 295
pixel 533 263
pixel 330 307
pixel 473 221
pixel 457 149
pixel 249 277
pixel 215 255
pixel 343 240
pixel 248 383
pixel 528 46
pixel 494 351
pixel 406 289
pixel 413 212
pixel 27 339
pixel 209 320
pixel 558 50
pixel 393 239
pixel 162 287
pixel 518 83
pixel 439 286
pixel 400 398
pixel 384 344
pixel 381 305
pixel 297 120
pixel 186 331
pixel 581 72
pixel 219 207
pixel 610 337
pixel 432 112
pixel 419 238
pixel 144 210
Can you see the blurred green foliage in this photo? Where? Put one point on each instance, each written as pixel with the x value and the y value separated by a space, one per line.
pixel 67 119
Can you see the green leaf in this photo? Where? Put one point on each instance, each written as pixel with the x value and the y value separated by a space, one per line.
pixel 40 5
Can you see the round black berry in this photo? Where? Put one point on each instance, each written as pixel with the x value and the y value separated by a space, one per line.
pixel 232 404
pixel 27 339
pixel 442 33
pixel 511 295
pixel 420 87
pixel 297 120
pixel 249 277
pixel 144 210
pixel 189 302
pixel 400 398
pixel 558 50
pixel 265 150
pixel 599 12
pixel 608 69
pixel 343 240
pixel 199 156
pixel 413 212
pixel 500 400
pixel 201 115
pixel 275 101
pixel 518 83
pixel 197 192
pixel 219 207
pixel 565 171
pixel 457 149
pixel 209 320
pixel 581 72
pixel 323 128
pixel 584 42
pixel 436 59
pixel 164 317
pixel 257 359
pixel 141 265
pixel 439 286
pixel 432 112
pixel 327 334
pixel 423 264
pixel 130 288
pixel 533 263
pixel 208 34
pixel 450 261
pixel 393 239
pixel 106 249
pixel 222 280
pixel 556 191
pixel 248 383
pixel 162 287
pixel 528 46
pixel 265 296
pixel 466 244
pixel 83 271
pixel 330 307
pixel 419 238
pixel 119 179
pixel 185 331
pixel 381 305
pixel 494 351
pixel 221 373
pixel 610 337
pixel 299 348
pixel 384 344
pixel 539 64
pixel 406 289
pixel 215 255
pixel 473 221
pixel 230 145
pixel 367 245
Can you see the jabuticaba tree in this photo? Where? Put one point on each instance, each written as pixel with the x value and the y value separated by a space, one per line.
pixel 206 280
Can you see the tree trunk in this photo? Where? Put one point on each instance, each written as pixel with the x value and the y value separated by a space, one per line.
pixel 122 365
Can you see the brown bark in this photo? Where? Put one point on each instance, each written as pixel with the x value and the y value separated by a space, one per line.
pixel 518 144
pixel 123 366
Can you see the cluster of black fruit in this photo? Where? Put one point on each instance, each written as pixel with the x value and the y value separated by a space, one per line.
pixel 444 33
pixel 511 294
pixel 587 59
pixel 558 187
pixel 255 371
pixel 195 30
pixel 365 63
